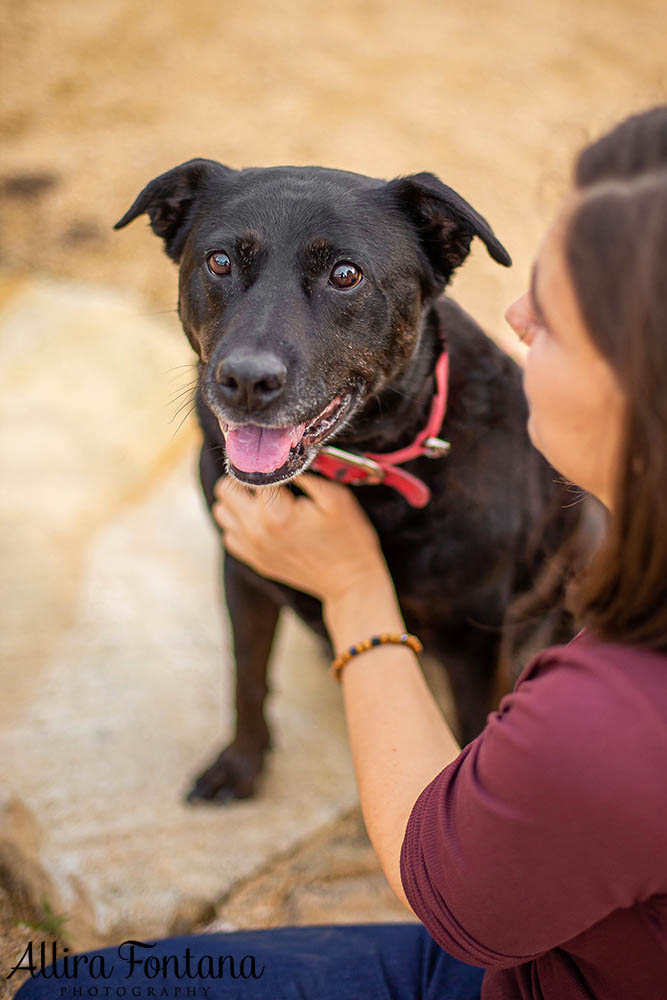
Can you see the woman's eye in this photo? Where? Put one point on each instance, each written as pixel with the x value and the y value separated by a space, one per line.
pixel 345 275
pixel 219 263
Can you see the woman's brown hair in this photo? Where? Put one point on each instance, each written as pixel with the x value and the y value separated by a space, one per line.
pixel 616 252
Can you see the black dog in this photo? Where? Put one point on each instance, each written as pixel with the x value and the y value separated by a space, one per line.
pixel 312 299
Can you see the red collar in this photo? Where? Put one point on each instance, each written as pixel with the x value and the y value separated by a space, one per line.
pixel 371 468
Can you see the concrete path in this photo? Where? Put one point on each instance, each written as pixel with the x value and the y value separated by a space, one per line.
pixel 115 680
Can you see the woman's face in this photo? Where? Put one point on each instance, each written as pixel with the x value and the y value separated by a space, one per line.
pixel 577 409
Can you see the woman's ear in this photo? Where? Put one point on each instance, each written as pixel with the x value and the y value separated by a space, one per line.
pixel 445 223
pixel 169 200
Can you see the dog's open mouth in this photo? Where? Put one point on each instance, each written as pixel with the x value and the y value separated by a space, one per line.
pixel 264 455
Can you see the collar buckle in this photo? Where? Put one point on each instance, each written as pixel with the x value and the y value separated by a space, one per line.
pixel 374 472
pixel 435 447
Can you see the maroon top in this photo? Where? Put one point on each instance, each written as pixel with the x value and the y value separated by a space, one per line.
pixel 540 853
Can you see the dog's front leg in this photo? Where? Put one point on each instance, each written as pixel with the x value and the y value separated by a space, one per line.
pixel 254 616
pixel 469 653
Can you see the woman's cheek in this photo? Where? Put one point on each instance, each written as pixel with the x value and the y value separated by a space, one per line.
pixel 535 387
pixel 530 424
pixel 528 382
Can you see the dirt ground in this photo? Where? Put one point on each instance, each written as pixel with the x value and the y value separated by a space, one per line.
pixel 493 96
pixel 97 98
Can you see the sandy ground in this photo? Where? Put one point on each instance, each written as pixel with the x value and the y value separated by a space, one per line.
pixel 96 98
pixel 493 96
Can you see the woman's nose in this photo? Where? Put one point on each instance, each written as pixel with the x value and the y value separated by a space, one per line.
pixel 518 315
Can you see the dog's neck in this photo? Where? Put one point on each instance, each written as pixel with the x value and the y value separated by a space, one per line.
pixel 392 419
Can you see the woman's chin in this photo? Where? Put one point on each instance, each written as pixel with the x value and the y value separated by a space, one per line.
pixel 553 456
pixel 545 451
pixel 532 433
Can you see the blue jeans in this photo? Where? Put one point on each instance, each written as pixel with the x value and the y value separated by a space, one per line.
pixel 357 961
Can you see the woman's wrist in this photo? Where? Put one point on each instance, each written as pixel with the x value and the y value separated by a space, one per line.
pixel 364 607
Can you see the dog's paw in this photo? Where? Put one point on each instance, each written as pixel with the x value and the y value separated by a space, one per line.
pixel 232 775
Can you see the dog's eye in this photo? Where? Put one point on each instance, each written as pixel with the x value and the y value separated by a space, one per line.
pixel 219 263
pixel 345 275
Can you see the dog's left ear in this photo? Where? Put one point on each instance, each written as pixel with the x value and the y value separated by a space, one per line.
pixel 446 223
pixel 169 200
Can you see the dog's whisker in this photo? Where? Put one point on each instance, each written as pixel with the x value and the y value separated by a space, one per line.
pixel 188 387
pixel 159 312
pixel 376 395
pixel 186 402
pixel 190 364
pixel 577 500
pixel 190 381
pixel 184 386
pixel 578 495
pixel 181 392
pixel 187 396
pixel 188 384
pixel 187 414
pixel 184 397
pixel 273 492
pixel 397 392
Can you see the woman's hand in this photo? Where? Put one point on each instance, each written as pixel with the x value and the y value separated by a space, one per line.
pixel 321 543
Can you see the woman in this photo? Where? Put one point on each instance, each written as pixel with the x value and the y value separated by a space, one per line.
pixel 539 852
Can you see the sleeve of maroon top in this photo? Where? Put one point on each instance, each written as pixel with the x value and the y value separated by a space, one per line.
pixel 531 835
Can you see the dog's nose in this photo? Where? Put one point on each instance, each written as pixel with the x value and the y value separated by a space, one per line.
pixel 250 379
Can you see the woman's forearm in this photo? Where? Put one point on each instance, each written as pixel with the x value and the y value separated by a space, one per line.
pixel 398 737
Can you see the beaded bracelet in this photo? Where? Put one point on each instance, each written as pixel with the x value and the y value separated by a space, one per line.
pixel 401 638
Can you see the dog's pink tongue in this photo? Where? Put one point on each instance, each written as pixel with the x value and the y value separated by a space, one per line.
pixel 260 449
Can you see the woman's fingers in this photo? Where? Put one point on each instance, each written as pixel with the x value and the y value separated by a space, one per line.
pixel 251 519
pixel 238 497
pixel 328 495
pixel 310 542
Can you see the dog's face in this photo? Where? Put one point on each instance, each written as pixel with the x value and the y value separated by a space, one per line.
pixel 302 290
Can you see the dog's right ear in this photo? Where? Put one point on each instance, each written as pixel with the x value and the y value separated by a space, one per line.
pixel 169 201
pixel 446 224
